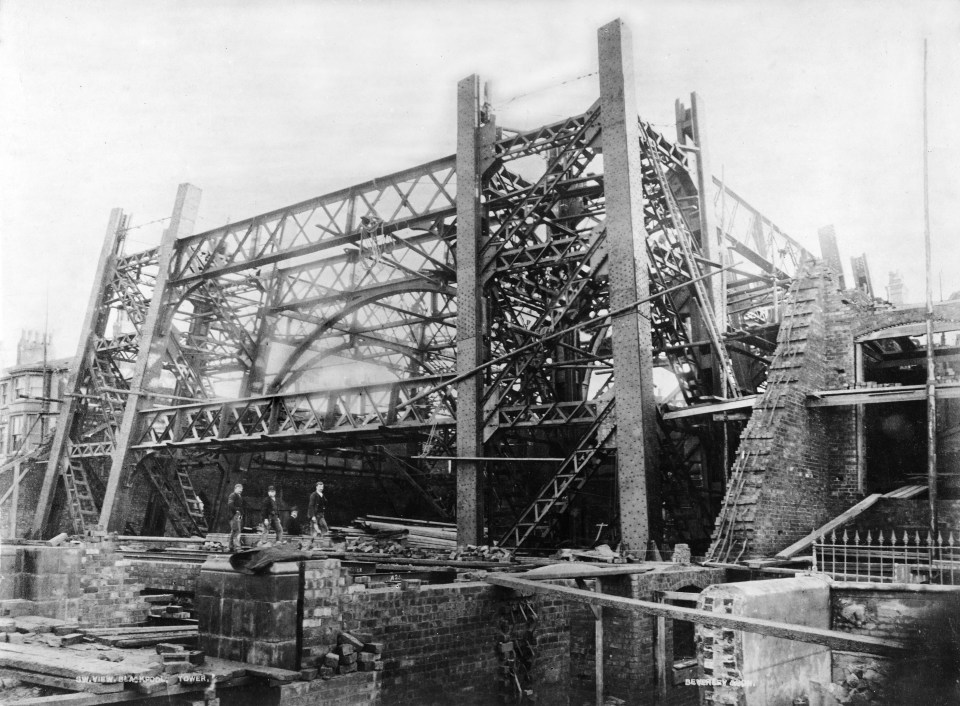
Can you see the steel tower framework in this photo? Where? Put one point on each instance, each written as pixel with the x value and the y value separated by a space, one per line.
pixel 520 291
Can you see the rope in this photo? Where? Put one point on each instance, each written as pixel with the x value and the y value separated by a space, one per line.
pixel 545 88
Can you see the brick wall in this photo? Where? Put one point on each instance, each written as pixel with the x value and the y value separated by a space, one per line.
pixel 796 467
pixel 630 669
pixel 27 495
pixel 926 618
pixel 88 584
pixel 357 689
pixel 440 642
pixel 162 575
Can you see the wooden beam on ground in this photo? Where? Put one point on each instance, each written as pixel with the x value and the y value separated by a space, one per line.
pixel 837 521
pixel 833 639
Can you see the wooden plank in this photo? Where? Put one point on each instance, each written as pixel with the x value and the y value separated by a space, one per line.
pixel 104 632
pixel 829 638
pixel 598 647
pixel 878 395
pixel 660 658
pixel 696 410
pixel 77 698
pixel 61 663
pixel 680 596
pixel 582 569
pixel 907 491
pixel 840 519
pixel 147 641
pixel 64 683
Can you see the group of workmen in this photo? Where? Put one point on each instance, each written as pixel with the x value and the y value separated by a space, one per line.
pixel 270 514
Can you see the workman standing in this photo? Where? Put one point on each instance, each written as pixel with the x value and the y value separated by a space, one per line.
pixel 316 511
pixel 271 516
pixel 235 511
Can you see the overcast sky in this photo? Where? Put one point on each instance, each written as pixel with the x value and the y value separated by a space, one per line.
pixel 814 114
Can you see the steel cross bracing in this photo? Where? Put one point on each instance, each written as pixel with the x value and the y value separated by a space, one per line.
pixel 261 310
pixel 563 282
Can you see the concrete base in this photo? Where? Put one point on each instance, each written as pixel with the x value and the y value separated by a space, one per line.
pixel 757 670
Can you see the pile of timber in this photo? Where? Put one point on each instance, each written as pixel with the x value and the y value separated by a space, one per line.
pixel 140 636
pixel 411 534
pixel 164 607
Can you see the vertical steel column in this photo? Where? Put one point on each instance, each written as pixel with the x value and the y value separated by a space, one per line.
pixel 92 326
pixel 629 281
pixel 469 314
pixel 153 344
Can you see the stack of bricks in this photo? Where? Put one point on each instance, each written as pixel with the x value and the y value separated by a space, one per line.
pixel 351 655
pixel 87 584
pixel 249 618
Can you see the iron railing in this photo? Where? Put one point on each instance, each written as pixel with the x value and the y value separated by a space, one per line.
pixel 889 556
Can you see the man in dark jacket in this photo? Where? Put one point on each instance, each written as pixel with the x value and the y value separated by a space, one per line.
pixel 271 516
pixel 292 525
pixel 316 511
pixel 235 512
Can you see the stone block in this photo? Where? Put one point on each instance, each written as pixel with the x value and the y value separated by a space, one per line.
pixel 347 668
pixel 331 659
pixel 374 647
pixel 177 667
pixel 327 672
pixel 344 649
pixel 308 674
pixel 345 638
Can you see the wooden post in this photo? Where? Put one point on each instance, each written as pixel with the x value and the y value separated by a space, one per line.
pixel 660 657
pixel 598 644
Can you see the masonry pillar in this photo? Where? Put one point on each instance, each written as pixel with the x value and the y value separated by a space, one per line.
pixel 629 281
pixel 469 314
pixel 94 324
pixel 153 345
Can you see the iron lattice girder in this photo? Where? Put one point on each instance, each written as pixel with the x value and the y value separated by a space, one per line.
pixel 358 408
pixel 410 197
pixel 757 238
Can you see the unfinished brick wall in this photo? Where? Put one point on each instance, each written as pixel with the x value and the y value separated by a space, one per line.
pixel 796 467
pixel 630 668
pixel 88 584
pixel 163 575
pixel 440 642
pixel 357 689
